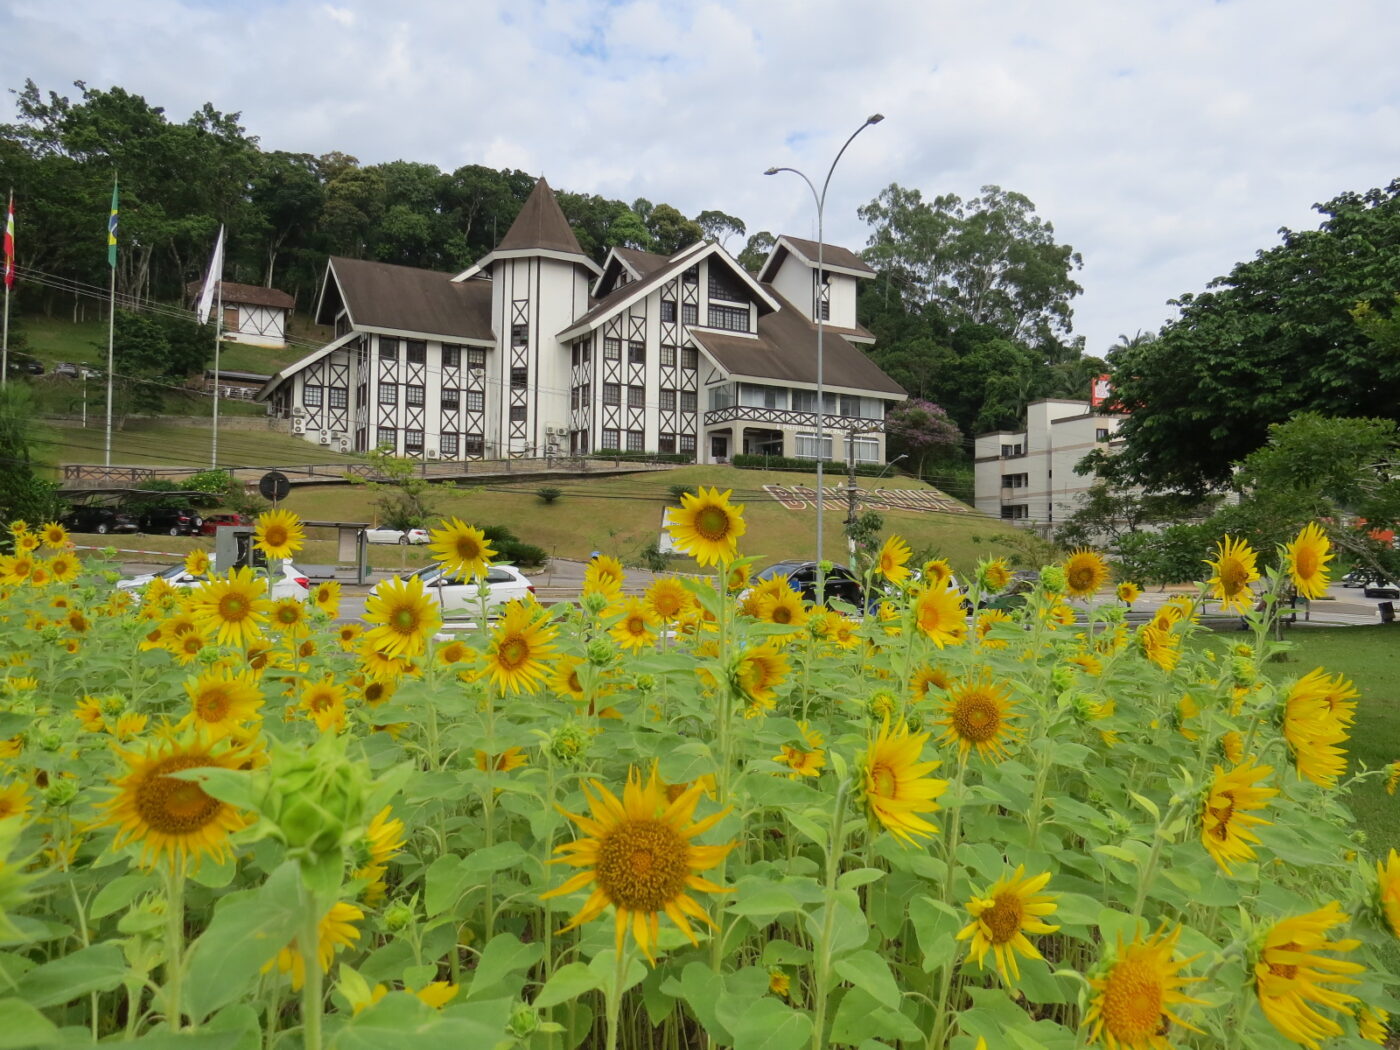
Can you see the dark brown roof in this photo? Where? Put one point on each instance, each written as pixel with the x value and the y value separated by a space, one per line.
pixel 540 224
pixel 382 295
pixel 643 262
pixel 832 255
pixel 252 294
pixel 786 349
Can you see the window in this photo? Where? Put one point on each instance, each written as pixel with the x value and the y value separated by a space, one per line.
pixel 413 441
pixel 804 400
pixel 230 318
pixel 519 378
pixel 1101 434
pixel 610 439
pixel 417 351
pixel 636 397
pixel 387 436
pixel 690 313
pixel 823 309
pixel 1015 481
pixel 612 349
pixel 721 396
pixel 520 335
pixel 573 398
pixel 668 309
pixel 476 401
pixel 473 445
pixel 340 396
pixel 688 401
pixel 730 318
pixel 612 394
pixel 666 444
pixel 762 396
pixel 585 397
pixel 413 394
pixel 690 358
pixel 866 450
pixel 1012 450
pixel 311 396
pixel 850 406
pixel 691 276
pixel 724 285
pixel 518 413
pixel 668 356
pixel 688 443
pixel 668 400
pixel 636 441
pixel 1015 511
pixel 388 394
pixel 451 358
pixel 807 447
pixel 388 349
pixel 476 359
pixel 636 352
pixel 451 399
pixel 447 445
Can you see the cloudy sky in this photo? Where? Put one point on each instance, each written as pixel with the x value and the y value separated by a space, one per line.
pixel 1164 140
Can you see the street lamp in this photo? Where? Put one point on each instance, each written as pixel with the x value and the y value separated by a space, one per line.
pixel 820 199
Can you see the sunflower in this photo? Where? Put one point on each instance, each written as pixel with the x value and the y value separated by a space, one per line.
pixel 603 575
pixel 759 672
pixel 326 597
pixel 288 616
pixel 334 932
pixel 979 714
pixel 1226 822
pixel 993 574
pixel 939 613
pixel 784 607
pixel 1372 1023
pixel 893 561
pixel 89 714
pixel 324 704
pixel 668 599
pixel 278 533
pixel 1127 592
pixel 1313 732
pixel 986 621
pixel 404 617
pixel 14 801
pixel 1291 975
pixel 635 630
pixel 1085 573
pixel 1086 662
pixel 737 577
pixel 1306 560
pixel 520 646
pixel 565 679
pixel 639 858
pixel 221 701
pixel 173 819
pixel 461 549
pixel 1388 890
pixel 197 562
pixel 805 759
pixel 1335 691
pixel 454 652
pixel 16 570
pixel 77 622
pixel 348 635
pixel 1002 916
pixel 938 572
pixel 231 608
pixel 1392 780
pixel 128 725
pixel 706 526
pixel 842 632
pixel 1235 568
pixel 64 567
pixel 54 535
pixel 510 758
pixel 383 840
pixel 928 677
pixel 381 666
pixel 1134 1000
pixel 896 785
pixel 1160 646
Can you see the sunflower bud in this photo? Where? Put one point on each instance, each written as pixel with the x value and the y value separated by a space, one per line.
pixel 600 652
pixel 645 683
pixel 398 916
pixel 1062 677
pixel 49 741
pixel 61 793
pixel 1053 579
pixel 523 1020
pixel 315 798
pixel 1242 670
pixel 568 743
pixel 1111 613
pixel 593 603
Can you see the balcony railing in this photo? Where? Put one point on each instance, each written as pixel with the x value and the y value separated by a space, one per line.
pixel 785 418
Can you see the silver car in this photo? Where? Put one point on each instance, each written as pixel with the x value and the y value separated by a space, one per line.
pixel 293 583
pixel 461 597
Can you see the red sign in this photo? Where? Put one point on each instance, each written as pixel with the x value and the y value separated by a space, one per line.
pixel 1100 390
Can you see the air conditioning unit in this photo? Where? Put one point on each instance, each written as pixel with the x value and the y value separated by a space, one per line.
pixel 325 440
pixel 338 435
pixel 298 426
pixel 432 453
pixel 344 445
pixel 298 411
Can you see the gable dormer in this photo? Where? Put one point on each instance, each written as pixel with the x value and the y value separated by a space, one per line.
pixel 792 269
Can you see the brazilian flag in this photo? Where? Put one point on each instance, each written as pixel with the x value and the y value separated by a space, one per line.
pixel 112 230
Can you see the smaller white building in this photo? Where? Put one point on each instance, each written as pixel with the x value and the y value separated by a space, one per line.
pixel 1027 476
pixel 252 314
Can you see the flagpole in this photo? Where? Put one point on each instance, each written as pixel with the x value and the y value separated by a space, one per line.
pixel 218 325
pixel 9 277
pixel 111 317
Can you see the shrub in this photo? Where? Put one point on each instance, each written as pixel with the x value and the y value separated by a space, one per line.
pixel 549 493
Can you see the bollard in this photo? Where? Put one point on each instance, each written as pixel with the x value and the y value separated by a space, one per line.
pixel 1387 611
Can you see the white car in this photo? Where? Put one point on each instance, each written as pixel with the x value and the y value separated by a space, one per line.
pixel 396 536
pixel 293 583
pixel 460 597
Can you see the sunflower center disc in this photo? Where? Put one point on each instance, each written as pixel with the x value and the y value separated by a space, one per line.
pixel 1003 918
pixel 886 785
pixel 1132 1001
pixel 512 653
pixel 213 705
pixel 468 550
pixel 404 619
pixel 275 536
pixel 233 607
pixel 1285 970
pixel 976 719
pixel 642 865
pixel 174 807
pixel 712 523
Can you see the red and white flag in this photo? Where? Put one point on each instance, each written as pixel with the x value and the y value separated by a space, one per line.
pixel 10 244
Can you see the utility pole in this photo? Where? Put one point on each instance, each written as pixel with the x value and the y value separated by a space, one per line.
pixel 852 495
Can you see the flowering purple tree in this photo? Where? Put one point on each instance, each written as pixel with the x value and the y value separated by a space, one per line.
pixel 918 429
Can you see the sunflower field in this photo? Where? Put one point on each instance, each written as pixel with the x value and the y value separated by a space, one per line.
pixel 711 816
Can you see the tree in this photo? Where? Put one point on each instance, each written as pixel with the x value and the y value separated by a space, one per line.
pixel 288 196
pixel 719 227
pixel 921 429
pixel 670 230
pixel 1108 513
pixel 756 250
pixel 23 496
pixel 402 496
pixel 1277 336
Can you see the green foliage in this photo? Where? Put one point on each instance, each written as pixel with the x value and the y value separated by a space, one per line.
pixel 403 498
pixel 513 551
pixel 1278 335
pixel 549 493
pixel 865 470
pixel 654 558
pixel 23 496
pixel 1171 555
pixel 865 531
pixel 1107 512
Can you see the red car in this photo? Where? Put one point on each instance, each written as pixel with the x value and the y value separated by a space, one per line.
pixel 212 523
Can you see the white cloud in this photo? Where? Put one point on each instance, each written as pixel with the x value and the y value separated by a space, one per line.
pixel 1165 140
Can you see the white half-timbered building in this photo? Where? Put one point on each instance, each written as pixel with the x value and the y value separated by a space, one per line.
pixel 536 351
pixel 251 314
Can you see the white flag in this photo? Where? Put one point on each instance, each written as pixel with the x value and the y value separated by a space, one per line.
pixel 211 280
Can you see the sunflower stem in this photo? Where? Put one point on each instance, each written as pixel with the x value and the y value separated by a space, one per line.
pixel 312 988
pixel 175 944
pixel 823 950
pixel 614 1001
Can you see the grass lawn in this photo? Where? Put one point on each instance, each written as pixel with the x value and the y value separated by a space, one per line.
pixel 143 443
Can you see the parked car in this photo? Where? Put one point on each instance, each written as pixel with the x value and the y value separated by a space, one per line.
pixel 25 366
pixel 1357 578
pixel 1382 588
pixel 99 519
pixel 1023 581
pixel 458 596
pixel 841 583
pixel 66 369
pixel 212 523
pixel 386 535
pixel 293 583
pixel 173 521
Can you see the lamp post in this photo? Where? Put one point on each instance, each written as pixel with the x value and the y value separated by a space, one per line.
pixel 820 199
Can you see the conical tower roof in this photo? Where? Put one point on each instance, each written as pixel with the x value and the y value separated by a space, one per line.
pixel 540 225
